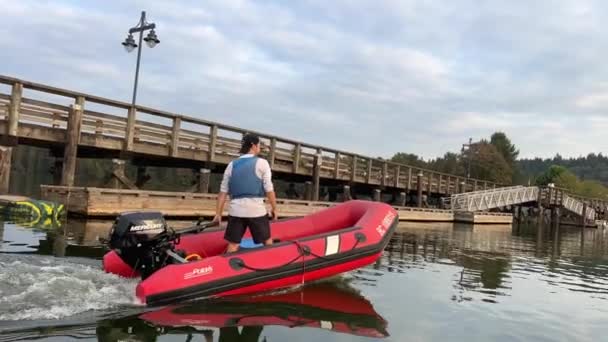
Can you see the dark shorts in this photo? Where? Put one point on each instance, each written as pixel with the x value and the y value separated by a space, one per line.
pixel 258 226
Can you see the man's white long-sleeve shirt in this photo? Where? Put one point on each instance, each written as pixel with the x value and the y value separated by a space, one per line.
pixel 249 207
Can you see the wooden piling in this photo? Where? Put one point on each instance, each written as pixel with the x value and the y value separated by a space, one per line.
pixel 384 173
pixel 316 175
pixel 429 184
pixel 14 110
pixel 353 171
pixel 130 133
pixel 338 157
pixel 308 191
pixel 397 175
pixel 377 195
pixel 296 158
pixel 203 180
pixel 402 199
pixel 5 168
pixel 73 138
pixel 346 194
pixel 177 122
pixel 212 143
pixel 584 215
pixel 419 188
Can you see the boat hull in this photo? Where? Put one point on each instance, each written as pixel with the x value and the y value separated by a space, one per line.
pixel 337 240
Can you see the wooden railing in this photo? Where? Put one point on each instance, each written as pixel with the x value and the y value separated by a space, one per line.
pixel 38 112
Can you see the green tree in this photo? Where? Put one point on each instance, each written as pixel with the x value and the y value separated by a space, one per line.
pixel 505 147
pixel 488 163
pixel 409 159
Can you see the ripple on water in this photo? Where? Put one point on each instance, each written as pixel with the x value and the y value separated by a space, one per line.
pixel 33 287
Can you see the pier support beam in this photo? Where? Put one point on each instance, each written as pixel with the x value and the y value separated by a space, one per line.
pixel 419 188
pixel 118 178
pixel 377 195
pixel 346 193
pixel 308 191
pixel 316 175
pixel 402 199
pixel 584 218
pixel 204 178
pixel 73 138
pixel 6 154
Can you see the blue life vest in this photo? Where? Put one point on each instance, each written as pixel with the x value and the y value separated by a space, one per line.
pixel 244 183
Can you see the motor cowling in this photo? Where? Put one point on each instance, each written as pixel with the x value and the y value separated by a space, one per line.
pixel 141 239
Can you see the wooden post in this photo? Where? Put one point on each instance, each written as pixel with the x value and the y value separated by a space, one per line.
pixel 212 142
pixel 273 152
pixel 440 185
pixel 141 176
pixel 337 165
pixel 308 191
pixel 402 199
pixel 296 158
pixel 130 133
pixel 14 110
pixel 419 186
pixel 430 184
pixel 346 193
pixel 485 185
pixel 5 169
pixel 584 215
pixel 474 184
pixel 203 181
pixel 316 174
pixel 384 173
pixel 409 178
pixel 377 195
pixel 177 122
pixel 72 140
pixel 397 175
pixel 369 171
pixel 353 174
pixel 540 206
pixel 118 177
pixel 462 187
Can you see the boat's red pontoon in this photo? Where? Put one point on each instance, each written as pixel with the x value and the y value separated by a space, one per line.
pixel 336 240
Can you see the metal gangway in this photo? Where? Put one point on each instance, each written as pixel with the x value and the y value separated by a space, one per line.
pixel 502 197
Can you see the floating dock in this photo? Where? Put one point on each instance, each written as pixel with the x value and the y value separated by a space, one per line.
pixel 108 203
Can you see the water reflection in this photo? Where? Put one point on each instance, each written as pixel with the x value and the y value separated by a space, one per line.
pixel 490 279
pixel 489 256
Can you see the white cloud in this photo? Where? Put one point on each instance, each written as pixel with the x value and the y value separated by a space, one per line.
pixel 375 77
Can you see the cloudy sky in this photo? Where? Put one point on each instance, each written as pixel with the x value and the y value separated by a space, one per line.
pixel 375 77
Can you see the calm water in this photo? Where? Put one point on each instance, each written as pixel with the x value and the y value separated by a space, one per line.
pixel 435 282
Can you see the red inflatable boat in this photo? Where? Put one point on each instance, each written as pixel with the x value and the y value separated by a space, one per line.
pixel 336 240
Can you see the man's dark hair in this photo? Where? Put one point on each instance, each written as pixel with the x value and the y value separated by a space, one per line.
pixel 248 141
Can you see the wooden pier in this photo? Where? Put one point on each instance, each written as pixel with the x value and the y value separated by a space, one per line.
pixel 74 124
pixel 108 203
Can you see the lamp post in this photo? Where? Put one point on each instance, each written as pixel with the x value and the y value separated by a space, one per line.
pixel 129 44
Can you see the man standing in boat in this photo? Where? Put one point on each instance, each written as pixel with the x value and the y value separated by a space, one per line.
pixel 247 180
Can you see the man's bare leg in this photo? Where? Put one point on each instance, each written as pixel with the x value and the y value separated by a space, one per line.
pixel 268 242
pixel 232 247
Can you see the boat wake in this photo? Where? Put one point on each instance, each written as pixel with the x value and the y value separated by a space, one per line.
pixel 41 288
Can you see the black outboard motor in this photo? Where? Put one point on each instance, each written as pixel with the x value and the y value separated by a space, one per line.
pixel 142 240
